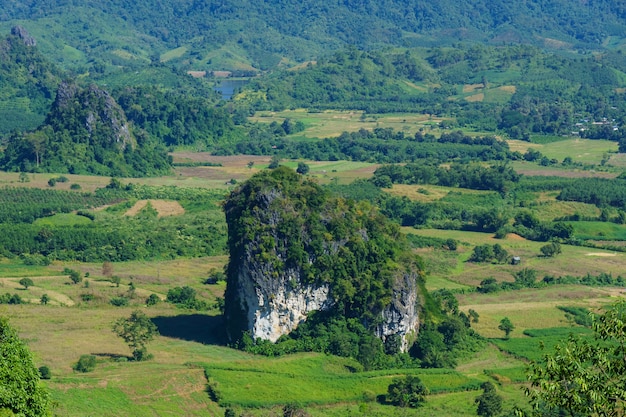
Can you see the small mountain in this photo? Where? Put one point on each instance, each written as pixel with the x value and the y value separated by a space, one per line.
pixel 86 132
pixel 296 251
pixel 28 82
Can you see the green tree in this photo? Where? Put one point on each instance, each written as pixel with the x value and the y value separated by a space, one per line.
pixel 274 162
pixel 116 280
pixel 585 376
pixel 407 392
pixel 153 299
pixel 26 282
pixel 551 249
pixel 303 168
pixel 489 403
pixel 75 276
pixel 21 392
pixel 506 326
pixel 45 299
pixel 136 330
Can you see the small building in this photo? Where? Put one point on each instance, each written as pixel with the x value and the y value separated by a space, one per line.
pixel 516 260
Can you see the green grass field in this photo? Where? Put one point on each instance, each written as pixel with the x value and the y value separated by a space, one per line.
pixel 332 123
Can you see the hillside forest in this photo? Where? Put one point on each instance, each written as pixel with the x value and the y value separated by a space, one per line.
pixel 477 146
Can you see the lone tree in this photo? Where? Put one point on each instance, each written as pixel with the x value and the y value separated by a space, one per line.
pixel 21 393
pixel 489 403
pixel 407 392
pixel 585 375
pixel 26 282
pixel 303 168
pixel 136 330
pixel 506 326
pixel 45 299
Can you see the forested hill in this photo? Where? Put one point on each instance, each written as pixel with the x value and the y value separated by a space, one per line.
pixel 243 33
pixel 28 82
pixel 85 132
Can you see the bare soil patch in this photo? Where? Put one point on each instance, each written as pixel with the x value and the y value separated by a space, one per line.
pixel 599 254
pixel 163 207
pixel 515 236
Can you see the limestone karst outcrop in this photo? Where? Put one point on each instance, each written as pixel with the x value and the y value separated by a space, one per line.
pixel 294 249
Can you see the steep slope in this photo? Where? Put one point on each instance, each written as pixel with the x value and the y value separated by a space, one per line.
pixel 86 131
pixel 28 82
pixel 295 250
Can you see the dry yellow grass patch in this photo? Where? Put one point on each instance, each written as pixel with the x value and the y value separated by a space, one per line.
pixel 508 88
pixel 475 98
pixel 163 207
pixel 468 88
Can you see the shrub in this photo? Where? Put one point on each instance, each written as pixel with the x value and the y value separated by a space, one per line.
pixel 44 372
pixel 119 301
pixel 86 363
pixel 407 392
pixel 153 299
pixel 86 297
pixel 75 187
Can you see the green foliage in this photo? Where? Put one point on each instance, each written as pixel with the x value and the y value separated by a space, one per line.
pixel 44 372
pixel 489 253
pixel 551 249
pixel 284 221
pixel 584 376
pixel 384 145
pixel 86 363
pixel 578 315
pixel 110 146
pixel 489 403
pixel 152 300
pixel 119 301
pixel 303 168
pixel 26 282
pixel 75 276
pixel 473 176
pixel 176 118
pixel 136 330
pixel 199 232
pixel 407 392
pixel 506 326
pixel 186 297
pixel 22 393
pixel 28 82
pixel 11 299
pixel 45 299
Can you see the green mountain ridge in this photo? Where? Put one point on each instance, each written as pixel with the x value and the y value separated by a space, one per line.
pixel 217 33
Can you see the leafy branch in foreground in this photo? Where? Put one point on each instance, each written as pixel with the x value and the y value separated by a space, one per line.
pixel 583 376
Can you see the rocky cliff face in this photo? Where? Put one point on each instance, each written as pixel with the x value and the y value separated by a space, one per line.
pixel 101 119
pixel 269 293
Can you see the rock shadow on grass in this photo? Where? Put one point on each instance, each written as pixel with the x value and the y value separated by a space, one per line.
pixel 208 330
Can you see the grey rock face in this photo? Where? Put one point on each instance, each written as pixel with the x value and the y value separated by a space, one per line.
pixel 21 33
